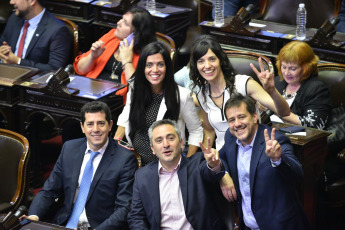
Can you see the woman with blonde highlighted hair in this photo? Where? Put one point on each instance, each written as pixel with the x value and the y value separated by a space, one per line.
pixel 307 96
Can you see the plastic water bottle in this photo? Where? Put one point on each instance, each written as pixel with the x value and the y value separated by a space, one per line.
pixel 219 13
pixel 301 22
pixel 151 6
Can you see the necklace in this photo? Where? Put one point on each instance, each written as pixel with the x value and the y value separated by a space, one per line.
pixel 115 69
pixel 288 96
pixel 219 95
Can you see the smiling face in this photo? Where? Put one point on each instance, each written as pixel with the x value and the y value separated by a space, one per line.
pixel 96 129
pixel 209 66
pixel 124 26
pixel 242 124
pixel 155 71
pixel 166 146
pixel 292 72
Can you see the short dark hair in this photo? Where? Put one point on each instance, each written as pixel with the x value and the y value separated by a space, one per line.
pixel 94 107
pixel 237 99
pixel 164 122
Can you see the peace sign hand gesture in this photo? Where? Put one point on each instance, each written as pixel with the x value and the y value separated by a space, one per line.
pixel 273 148
pixel 211 155
pixel 265 76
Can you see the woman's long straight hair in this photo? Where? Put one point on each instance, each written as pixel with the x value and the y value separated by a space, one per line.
pixel 142 93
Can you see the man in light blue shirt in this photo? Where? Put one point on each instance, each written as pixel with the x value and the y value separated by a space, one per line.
pixel 264 170
pixel 34 37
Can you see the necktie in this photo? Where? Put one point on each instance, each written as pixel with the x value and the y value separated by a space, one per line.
pixel 83 192
pixel 22 39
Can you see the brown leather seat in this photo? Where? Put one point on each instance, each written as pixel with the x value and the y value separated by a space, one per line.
pixel 283 11
pixel 333 194
pixel 14 157
pixel 240 61
pixel 74 31
pixel 169 42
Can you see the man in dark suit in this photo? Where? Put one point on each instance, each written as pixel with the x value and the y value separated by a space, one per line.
pixel 264 170
pixel 107 199
pixel 46 41
pixel 170 193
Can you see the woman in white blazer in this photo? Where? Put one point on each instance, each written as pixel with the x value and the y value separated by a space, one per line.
pixel 154 95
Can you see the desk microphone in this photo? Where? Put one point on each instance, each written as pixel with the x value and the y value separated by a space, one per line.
pixel 250 8
pixel 69 69
pixel 244 14
pixel 12 222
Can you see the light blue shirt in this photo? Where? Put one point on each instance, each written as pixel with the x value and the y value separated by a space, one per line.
pixel 30 32
pixel 243 166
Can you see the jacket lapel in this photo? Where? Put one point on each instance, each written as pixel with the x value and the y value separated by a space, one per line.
pixel 77 160
pixel 38 33
pixel 153 183
pixel 162 110
pixel 258 150
pixel 183 175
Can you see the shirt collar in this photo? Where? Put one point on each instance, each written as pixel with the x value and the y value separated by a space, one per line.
pixel 35 20
pixel 161 169
pixel 251 144
pixel 101 150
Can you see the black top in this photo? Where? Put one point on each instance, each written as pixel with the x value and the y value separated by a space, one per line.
pixel 141 141
pixel 112 70
pixel 312 103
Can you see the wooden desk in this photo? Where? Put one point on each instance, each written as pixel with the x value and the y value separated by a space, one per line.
pixel 269 39
pixel 311 151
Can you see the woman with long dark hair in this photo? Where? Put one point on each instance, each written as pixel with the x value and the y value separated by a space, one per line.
pixel 155 96
pixel 212 73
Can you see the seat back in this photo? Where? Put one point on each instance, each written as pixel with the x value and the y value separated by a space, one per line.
pixel 333 75
pixel 169 42
pixel 240 61
pixel 75 34
pixel 283 11
pixel 14 157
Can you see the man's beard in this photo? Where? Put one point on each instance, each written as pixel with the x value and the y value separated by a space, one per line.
pixel 22 13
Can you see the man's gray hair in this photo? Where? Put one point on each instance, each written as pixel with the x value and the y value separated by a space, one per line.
pixel 164 122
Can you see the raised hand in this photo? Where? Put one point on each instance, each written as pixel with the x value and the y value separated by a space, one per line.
pixel 126 51
pixel 97 48
pixel 273 148
pixel 265 76
pixel 211 155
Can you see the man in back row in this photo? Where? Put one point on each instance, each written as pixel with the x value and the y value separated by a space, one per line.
pixel 34 37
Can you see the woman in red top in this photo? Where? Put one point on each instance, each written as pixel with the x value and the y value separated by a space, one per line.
pixel 114 58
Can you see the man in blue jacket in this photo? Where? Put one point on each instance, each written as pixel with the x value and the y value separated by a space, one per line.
pixel 264 170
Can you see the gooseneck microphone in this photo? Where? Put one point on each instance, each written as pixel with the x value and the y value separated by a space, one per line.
pixel 11 222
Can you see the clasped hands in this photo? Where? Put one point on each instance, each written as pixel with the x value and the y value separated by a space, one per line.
pixel 6 54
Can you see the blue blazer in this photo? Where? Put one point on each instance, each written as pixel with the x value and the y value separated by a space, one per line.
pixel 51 44
pixel 275 202
pixel 110 194
pixel 194 176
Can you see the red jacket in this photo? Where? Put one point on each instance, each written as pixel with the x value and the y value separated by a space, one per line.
pixel 111 43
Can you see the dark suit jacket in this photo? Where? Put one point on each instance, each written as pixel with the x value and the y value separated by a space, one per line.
pixel 193 173
pixel 110 194
pixel 51 44
pixel 312 103
pixel 275 202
